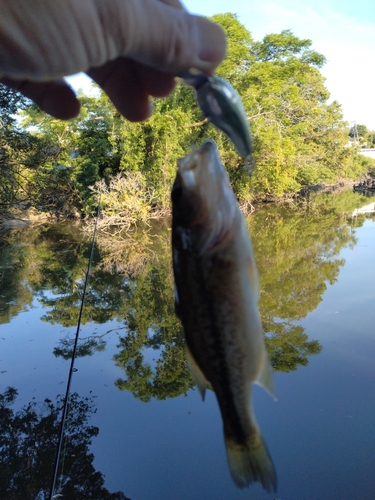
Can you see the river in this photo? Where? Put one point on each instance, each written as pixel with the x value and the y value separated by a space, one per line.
pixel 136 425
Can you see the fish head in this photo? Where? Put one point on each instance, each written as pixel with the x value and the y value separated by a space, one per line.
pixel 203 201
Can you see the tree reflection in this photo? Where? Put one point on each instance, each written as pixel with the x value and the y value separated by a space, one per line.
pixel 34 259
pixel 289 347
pixel 85 347
pixel 28 443
pixel 15 294
pixel 153 327
pixel 297 253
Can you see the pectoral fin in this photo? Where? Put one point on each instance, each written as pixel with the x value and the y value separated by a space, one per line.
pixel 253 276
pixel 197 374
pixel 265 377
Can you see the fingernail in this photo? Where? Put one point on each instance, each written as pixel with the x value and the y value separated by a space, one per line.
pixel 212 41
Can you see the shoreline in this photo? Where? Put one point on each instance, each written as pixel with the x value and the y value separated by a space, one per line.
pixel 18 218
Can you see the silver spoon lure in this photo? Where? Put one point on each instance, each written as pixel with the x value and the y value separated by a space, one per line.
pixel 223 107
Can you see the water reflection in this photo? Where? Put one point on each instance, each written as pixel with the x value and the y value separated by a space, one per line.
pixel 143 448
pixel 297 253
pixel 28 442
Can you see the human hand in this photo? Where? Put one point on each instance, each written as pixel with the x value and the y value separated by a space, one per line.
pixel 131 48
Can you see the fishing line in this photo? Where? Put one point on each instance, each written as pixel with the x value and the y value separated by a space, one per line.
pixel 72 369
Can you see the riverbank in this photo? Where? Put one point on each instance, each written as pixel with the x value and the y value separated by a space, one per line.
pixel 338 187
pixel 18 218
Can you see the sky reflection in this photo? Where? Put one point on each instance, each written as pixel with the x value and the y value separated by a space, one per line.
pixel 321 432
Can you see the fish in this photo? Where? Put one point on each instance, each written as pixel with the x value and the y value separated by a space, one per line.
pixel 216 300
pixel 222 106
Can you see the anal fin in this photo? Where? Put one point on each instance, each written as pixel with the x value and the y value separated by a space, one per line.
pixel 265 377
pixel 197 374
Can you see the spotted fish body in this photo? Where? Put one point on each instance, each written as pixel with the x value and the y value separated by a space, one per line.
pixel 216 285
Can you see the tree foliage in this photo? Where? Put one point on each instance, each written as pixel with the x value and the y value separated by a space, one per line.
pixel 31 174
pixel 28 443
pixel 357 131
pixel 299 137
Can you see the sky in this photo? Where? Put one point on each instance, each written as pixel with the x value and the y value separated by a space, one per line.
pixel 342 30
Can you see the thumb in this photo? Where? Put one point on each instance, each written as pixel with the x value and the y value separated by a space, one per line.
pixel 162 35
pixel 45 40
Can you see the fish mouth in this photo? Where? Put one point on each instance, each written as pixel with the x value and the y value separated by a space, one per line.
pixel 208 153
pixel 208 146
pixel 209 166
pixel 199 167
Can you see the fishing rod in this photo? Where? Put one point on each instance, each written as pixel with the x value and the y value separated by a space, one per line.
pixel 72 368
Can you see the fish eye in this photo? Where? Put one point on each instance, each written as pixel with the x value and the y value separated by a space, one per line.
pixel 176 194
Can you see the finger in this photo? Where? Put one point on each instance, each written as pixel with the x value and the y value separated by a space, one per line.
pixel 174 3
pixel 56 98
pixel 155 83
pixel 62 37
pixel 120 81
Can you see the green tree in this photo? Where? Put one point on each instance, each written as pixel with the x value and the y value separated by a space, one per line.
pixel 16 149
pixel 299 137
pixel 358 131
pixel 85 149
pixel 284 47
pixel 30 172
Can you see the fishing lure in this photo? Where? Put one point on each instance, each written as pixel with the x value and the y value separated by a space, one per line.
pixel 223 107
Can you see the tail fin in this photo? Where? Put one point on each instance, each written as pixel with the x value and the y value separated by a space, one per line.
pixel 250 462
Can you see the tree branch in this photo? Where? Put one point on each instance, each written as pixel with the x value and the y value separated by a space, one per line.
pixel 197 124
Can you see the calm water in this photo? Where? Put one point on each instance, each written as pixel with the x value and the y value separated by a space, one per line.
pixel 136 425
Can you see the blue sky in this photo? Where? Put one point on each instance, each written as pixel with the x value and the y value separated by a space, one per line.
pixel 342 30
